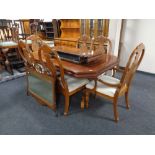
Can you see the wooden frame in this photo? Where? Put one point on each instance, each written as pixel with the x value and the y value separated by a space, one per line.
pixel 63 86
pixel 8 34
pixel 123 87
pixel 42 68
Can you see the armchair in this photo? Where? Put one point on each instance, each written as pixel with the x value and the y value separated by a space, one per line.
pixel 112 88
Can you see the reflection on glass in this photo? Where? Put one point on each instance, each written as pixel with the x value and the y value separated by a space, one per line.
pixel 91 28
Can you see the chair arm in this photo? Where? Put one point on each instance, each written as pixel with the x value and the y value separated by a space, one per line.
pixel 118 69
pixel 109 84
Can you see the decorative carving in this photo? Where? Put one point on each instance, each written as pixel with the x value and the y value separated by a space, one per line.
pixel 99 44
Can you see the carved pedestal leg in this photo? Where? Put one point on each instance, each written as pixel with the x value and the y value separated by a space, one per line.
pixel 66 105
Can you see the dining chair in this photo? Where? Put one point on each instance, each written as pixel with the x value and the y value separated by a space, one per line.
pixel 69 85
pixel 84 43
pixel 8 41
pixel 41 76
pixel 112 88
pixel 102 44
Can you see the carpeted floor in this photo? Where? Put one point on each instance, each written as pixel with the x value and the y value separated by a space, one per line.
pixel 20 114
pixel 6 76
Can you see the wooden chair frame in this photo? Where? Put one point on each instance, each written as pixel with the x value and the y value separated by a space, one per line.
pixel 43 68
pixel 63 87
pixel 123 87
pixel 8 34
pixel 99 43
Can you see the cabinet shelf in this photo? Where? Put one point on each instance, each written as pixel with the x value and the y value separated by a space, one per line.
pixel 70 32
pixel 48 27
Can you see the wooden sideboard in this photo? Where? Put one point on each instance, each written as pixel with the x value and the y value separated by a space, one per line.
pixel 72 29
pixel 70 32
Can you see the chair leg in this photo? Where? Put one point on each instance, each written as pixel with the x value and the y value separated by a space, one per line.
pixel 66 105
pixel 127 100
pixel 116 118
pixel 83 100
pixel 113 72
pixel 87 99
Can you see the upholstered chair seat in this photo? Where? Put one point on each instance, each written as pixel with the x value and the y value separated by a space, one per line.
pixel 8 43
pixel 27 41
pixel 75 83
pixel 104 89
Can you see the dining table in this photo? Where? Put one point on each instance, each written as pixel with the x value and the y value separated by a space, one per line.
pixel 90 70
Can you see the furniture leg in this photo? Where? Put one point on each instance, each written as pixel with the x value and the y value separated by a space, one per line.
pixel 116 118
pixel 66 105
pixel 127 99
pixel 87 99
pixel 8 66
pixel 83 100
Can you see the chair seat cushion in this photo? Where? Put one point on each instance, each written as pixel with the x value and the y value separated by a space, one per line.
pixel 41 87
pixel 8 43
pixel 75 83
pixel 104 89
pixel 28 41
pixel 109 79
pixel 50 43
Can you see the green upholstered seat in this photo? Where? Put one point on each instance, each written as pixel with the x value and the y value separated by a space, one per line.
pixel 40 87
pixel 28 41
pixel 8 43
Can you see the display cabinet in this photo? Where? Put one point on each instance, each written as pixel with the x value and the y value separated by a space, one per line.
pixel 73 29
pixel 70 32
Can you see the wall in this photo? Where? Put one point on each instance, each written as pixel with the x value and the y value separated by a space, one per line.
pixel 135 32
pixel 112 31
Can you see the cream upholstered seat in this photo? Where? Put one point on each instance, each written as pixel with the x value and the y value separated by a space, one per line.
pixel 75 83
pixel 103 89
pixel 109 79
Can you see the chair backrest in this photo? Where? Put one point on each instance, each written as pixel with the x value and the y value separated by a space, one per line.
pixel 9 33
pixel 33 43
pixel 26 55
pixel 62 80
pixel 132 65
pixel 102 44
pixel 41 65
pixel 84 43
pixel 5 33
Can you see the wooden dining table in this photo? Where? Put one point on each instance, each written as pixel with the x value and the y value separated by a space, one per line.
pixel 89 71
